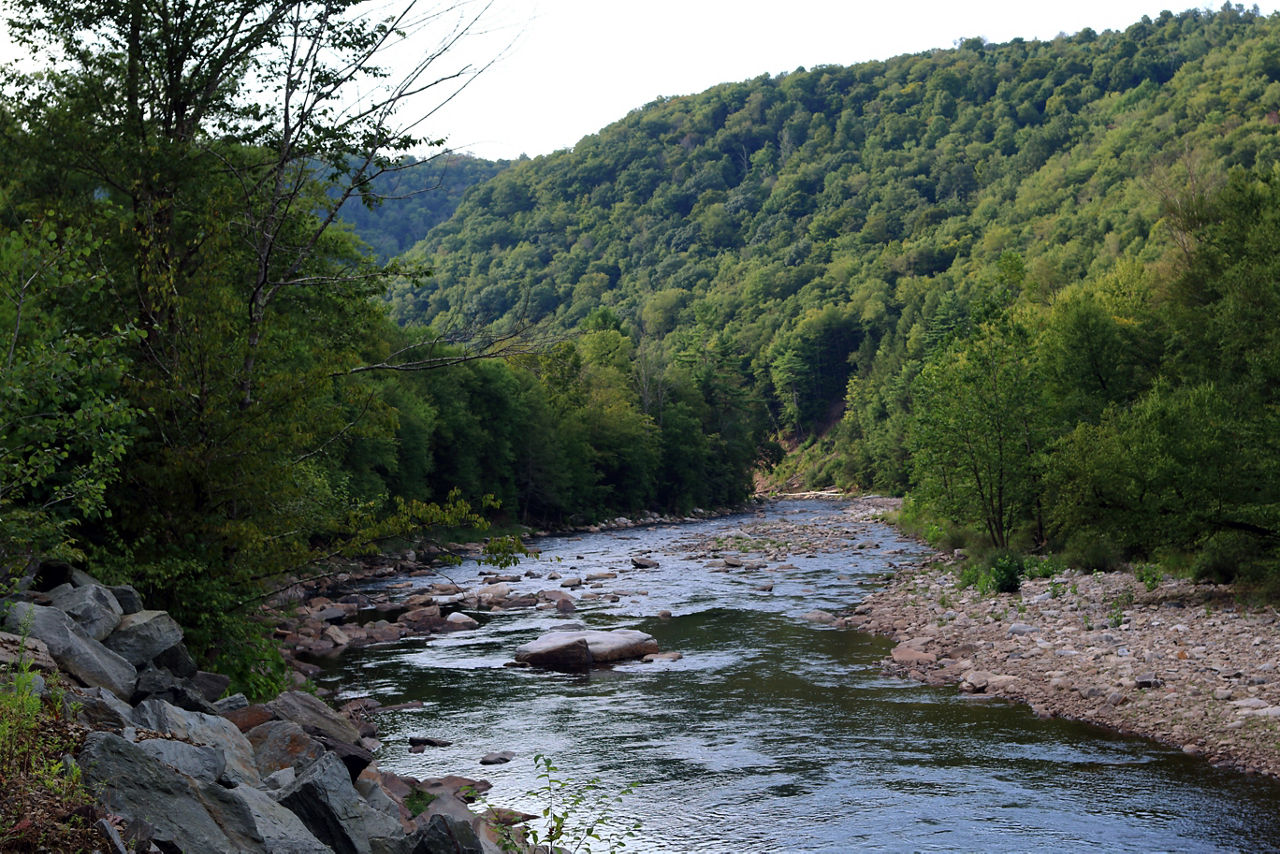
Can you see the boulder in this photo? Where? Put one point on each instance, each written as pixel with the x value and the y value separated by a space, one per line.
pixel 199 728
pixel 499 757
pixel 178 661
pixel 161 684
pixel 458 621
pixel 98 708
pixel 93 607
pixel 575 650
pixel 201 763
pixel 644 563
pixel 903 654
pixel 282 744
pixel 282 832
pixel 33 651
pixel 138 787
pixel 73 649
pixel 142 636
pixel 129 599
pixel 211 686
pixel 331 808
pixel 314 716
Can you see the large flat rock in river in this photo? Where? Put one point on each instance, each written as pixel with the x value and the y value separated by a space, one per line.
pixel 575 650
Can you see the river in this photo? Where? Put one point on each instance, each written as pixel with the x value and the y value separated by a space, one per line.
pixel 773 734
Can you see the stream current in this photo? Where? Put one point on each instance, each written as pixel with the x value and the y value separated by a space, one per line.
pixel 773 734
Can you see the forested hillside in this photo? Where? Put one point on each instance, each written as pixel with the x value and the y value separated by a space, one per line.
pixel 999 263
pixel 403 204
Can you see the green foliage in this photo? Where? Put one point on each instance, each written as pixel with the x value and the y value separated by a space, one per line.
pixel 1001 571
pixel 63 425
pixel 577 817
pixel 43 800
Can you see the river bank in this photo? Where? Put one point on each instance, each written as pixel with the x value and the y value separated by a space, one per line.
pixel 1185 664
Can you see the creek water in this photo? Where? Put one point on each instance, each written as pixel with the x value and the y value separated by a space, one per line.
pixel 774 734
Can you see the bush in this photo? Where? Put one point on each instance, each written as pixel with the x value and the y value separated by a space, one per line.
pixel 999 572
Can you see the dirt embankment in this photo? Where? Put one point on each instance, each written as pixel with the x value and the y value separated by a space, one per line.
pixel 1182 663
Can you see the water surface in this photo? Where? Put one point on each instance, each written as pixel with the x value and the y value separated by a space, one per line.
pixel 773 734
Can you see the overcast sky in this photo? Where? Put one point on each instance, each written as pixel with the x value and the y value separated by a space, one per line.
pixel 578 65
pixel 567 68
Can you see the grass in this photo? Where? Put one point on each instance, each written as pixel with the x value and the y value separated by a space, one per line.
pixel 44 805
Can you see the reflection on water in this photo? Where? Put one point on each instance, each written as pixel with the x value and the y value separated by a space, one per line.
pixel 775 735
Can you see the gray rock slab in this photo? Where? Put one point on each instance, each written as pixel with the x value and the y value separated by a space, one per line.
pixel 142 636
pixel 73 649
pixel 324 799
pixel 130 599
pixel 312 713
pixel 101 709
pixel 209 730
pixel 200 763
pixel 93 607
pixel 281 830
pixel 137 787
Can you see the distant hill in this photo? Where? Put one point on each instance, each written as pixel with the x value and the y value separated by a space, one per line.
pixel 841 221
pixel 416 200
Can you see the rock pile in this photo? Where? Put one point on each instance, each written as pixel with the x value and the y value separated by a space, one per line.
pixel 187 771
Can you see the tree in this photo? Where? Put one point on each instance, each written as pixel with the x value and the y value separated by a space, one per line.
pixel 978 434
pixel 63 425
pixel 206 147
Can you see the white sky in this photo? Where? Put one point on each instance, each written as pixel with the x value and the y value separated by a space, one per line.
pixel 578 65
pixel 567 68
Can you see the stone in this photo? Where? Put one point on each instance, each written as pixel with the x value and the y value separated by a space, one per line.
pixel 93 607
pixel 282 744
pixel 15 649
pixel 903 654
pixel 201 763
pixel 1022 629
pixel 138 787
pixel 562 651
pixel 129 599
pixel 571 582
pixel 500 757
pixel 644 563
pixel 663 656
pixel 73 649
pixel 324 798
pixel 459 621
pixel 247 717
pixel 314 716
pixel 161 684
pixel 448 835
pixel 178 661
pixel 98 708
pixel 818 616
pixel 199 728
pixel 974 681
pixel 142 636
pixel 211 686
pixel 281 831
pixel 428 741
pixel 231 704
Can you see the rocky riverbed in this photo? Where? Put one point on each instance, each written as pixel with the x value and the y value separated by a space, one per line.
pixel 1185 664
